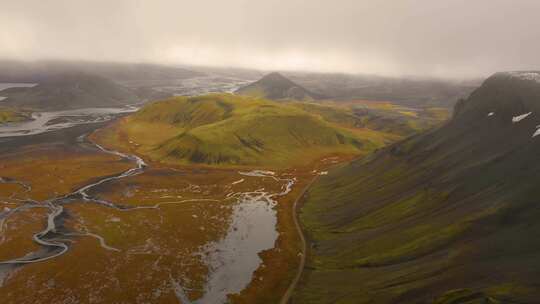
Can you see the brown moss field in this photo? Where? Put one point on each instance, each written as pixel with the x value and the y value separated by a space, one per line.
pixel 163 233
pixel 123 255
pixel 53 171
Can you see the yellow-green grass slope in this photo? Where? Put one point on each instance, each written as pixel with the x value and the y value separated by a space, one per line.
pixel 389 118
pixel 10 115
pixel 224 129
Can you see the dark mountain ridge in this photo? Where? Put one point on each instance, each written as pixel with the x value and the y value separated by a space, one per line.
pixel 449 216
pixel 508 94
pixel 276 86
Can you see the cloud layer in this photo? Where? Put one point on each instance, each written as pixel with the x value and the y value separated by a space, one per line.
pixel 448 38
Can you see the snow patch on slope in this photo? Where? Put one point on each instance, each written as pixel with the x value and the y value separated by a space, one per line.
pixel 520 117
pixel 533 76
pixel 537 131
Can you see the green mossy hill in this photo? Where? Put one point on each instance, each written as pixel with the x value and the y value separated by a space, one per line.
pixel 277 87
pixel 234 130
pixel 449 210
pixel 186 113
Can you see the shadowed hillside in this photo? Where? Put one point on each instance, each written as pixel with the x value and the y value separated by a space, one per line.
pixel 449 216
pixel 275 86
pixel 146 81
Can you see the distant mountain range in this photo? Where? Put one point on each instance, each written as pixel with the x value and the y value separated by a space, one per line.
pixel 448 216
pixel 69 91
pixel 413 92
pixel 65 85
pixel 407 91
pixel 152 81
pixel 277 87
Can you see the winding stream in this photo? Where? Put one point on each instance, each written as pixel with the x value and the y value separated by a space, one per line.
pixel 43 122
pixel 48 237
pixel 232 260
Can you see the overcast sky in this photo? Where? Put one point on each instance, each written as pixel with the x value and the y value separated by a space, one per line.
pixel 453 38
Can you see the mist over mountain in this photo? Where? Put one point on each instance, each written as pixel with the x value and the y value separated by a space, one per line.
pixel 78 84
pixel 410 37
pixel 69 91
pixel 149 81
pixel 129 73
pixel 411 91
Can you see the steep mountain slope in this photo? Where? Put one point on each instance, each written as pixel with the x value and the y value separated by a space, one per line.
pixel 450 216
pixel 69 91
pixel 234 130
pixel 275 86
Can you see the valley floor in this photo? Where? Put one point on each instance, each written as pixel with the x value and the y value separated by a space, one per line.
pixel 83 218
pixel 167 234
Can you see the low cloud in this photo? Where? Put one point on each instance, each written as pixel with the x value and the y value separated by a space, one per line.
pixel 453 38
